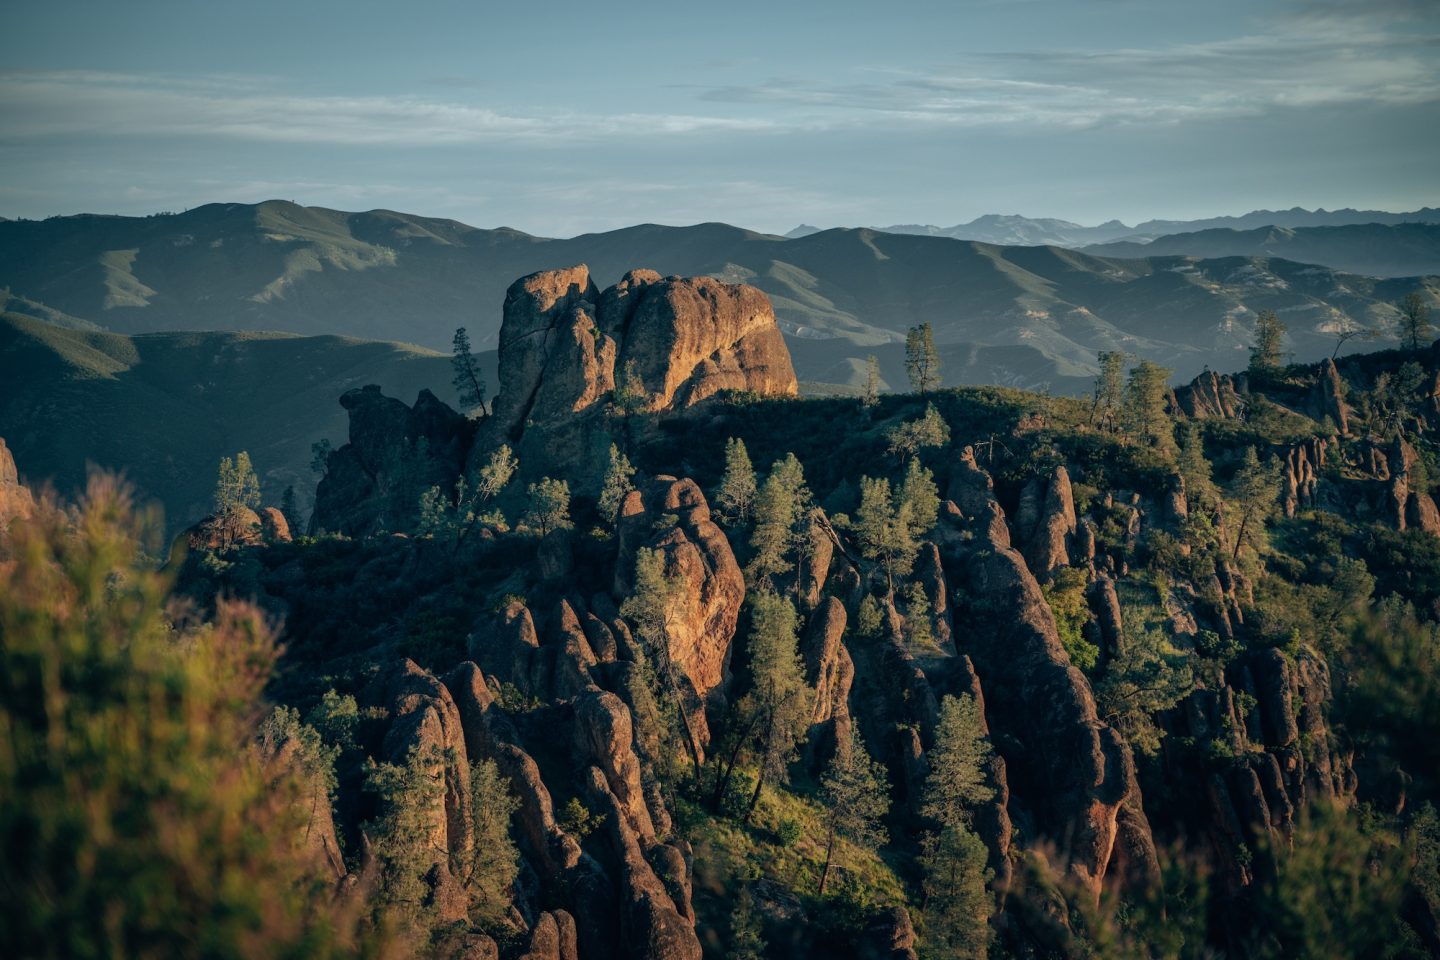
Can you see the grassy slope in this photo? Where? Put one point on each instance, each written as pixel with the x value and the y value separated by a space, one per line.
pixel 165 407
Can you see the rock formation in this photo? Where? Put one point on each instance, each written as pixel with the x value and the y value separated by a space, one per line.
pixel 1045 522
pixel 395 452
pixel 698 554
pixel 1210 396
pixel 16 502
pixel 564 345
pixel 1071 769
pixel 1327 398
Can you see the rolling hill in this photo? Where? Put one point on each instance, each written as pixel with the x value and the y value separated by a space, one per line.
pixel 1027 316
pixel 166 407
pixel 1373 249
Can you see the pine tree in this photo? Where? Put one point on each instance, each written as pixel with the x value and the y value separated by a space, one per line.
pixel 490 875
pixel 909 438
pixel 856 798
pixel 1268 352
pixel 319 456
pixel 885 530
pixel 549 507
pixel 871 396
pixel 1254 489
pixel 1415 325
pixel 919 495
pixel 782 510
pixel 922 360
pixel 1146 393
pixel 735 497
pixel 651 609
pixel 630 395
pixel 469 386
pixel 1194 469
pixel 746 929
pixel 957 906
pixel 957 763
pixel 1109 389
pixel 237 490
pixel 615 486
pixel 779 695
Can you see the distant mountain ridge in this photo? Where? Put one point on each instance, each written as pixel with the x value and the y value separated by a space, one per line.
pixel 1374 249
pixel 1016 230
pixel 1022 315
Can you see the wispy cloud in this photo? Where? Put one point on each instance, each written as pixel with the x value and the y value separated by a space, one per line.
pixel 1320 59
pixel 57 104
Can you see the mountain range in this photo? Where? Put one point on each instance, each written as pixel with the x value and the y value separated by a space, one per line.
pixel 1031 231
pixel 1374 249
pixel 1029 316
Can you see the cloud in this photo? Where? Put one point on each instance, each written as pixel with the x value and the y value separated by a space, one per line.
pixel 60 104
pixel 1318 60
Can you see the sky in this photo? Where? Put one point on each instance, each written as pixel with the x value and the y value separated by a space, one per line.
pixel 560 118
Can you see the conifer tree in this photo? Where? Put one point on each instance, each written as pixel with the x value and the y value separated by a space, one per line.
pixel 469 385
pixel 549 507
pixel 782 511
pixel 920 497
pixel 651 609
pixel 871 396
pixel 490 875
pixel 1109 390
pixel 957 906
pixel 615 486
pixel 912 436
pixel 1268 352
pixel 885 530
pixel 1415 325
pixel 779 695
pixel 856 798
pixel 1254 490
pixel 1146 392
pixel 922 360
pixel 735 497
pixel 1194 469
pixel 629 395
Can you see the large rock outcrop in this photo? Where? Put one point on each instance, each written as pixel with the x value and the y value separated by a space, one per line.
pixel 667 342
pixel 1074 772
pixel 696 552
pixel 1210 396
pixel 564 345
pixel 395 452
pixel 16 503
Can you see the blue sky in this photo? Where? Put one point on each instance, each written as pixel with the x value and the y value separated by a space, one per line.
pixel 562 118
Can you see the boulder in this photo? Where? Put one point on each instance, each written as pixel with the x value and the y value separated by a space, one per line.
pixel 16 502
pixel 890 936
pixel 696 552
pixel 274 528
pixel 237 527
pixel 424 722
pixel 604 737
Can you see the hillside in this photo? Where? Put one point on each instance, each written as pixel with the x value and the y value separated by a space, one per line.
pixel 164 408
pixel 697 668
pixel 1372 249
pixel 1028 316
